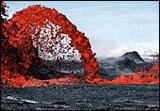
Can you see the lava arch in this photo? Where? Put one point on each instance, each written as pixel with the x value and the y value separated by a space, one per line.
pixel 18 31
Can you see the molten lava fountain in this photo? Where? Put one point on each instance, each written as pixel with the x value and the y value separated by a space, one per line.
pixel 22 43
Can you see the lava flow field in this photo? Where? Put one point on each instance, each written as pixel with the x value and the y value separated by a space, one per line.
pixel 82 97
pixel 38 34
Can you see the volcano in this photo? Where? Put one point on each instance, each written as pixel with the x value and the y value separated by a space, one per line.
pixel 132 56
pixel 126 64
pixel 129 62
pixel 33 36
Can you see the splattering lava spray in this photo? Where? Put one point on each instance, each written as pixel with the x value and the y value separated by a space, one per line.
pixel 26 36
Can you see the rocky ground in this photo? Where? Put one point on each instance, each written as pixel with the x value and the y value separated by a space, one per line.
pixel 82 96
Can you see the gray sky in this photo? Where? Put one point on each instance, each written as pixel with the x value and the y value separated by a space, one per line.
pixel 113 28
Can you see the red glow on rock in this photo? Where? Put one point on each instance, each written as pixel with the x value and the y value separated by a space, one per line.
pixel 141 77
pixel 18 51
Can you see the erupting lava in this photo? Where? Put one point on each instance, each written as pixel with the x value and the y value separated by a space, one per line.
pixel 23 42
pixel 141 77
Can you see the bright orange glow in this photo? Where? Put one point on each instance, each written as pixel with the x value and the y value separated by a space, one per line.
pixel 18 52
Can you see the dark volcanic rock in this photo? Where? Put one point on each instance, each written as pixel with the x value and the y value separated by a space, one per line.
pixel 132 56
pixel 54 69
pixel 127 65
pixel 82 97
pixel 129 62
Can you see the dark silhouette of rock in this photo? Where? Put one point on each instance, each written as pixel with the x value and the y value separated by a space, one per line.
pixel 126 65
pixel 132 56
pixel 52 69
pixel 129 62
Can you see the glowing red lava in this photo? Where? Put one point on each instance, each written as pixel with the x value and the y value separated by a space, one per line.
pixel 18 51
pixel 141 77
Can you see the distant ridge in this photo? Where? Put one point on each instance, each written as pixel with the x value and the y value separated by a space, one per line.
pixel 133 56
pixel 125 64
